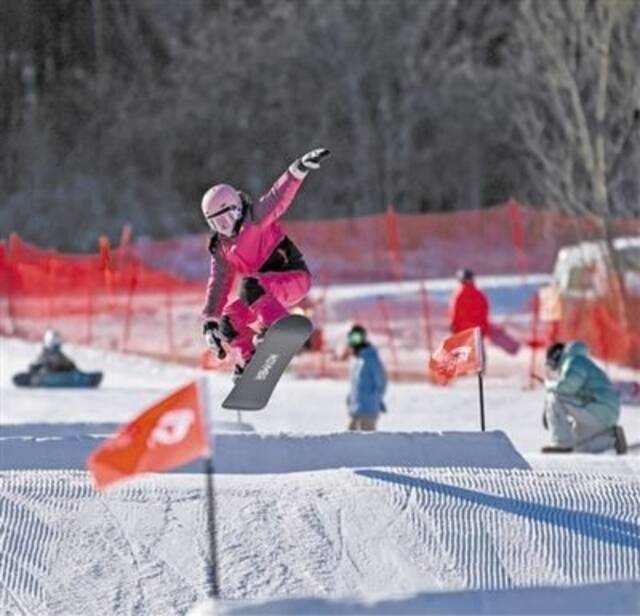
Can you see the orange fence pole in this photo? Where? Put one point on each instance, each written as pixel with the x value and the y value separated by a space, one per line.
pixel 392 345
pixel 426 316
pixel 128 313
pixel 394 248
pixel 169 310
pixel 535 309
pixel 89 297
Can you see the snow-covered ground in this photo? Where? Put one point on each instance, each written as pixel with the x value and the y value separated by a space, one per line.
pixel 427 516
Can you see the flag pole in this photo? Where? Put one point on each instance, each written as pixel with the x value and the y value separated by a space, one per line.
pixel 209 471
pixel 480 348
pixel 480 388
pixel 212 573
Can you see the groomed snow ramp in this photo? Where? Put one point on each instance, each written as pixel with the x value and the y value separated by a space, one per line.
pixel 299 453
pixel 352 536
pixel 251 453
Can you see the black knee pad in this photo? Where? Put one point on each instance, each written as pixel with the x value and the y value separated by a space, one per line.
pixel 250 290
pixel 227 331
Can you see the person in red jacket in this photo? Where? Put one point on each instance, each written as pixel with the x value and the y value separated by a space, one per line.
pixel 469 306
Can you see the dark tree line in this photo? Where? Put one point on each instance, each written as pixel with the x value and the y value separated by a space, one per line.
pixel 118 111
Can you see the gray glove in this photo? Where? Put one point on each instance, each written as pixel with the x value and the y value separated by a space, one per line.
pixel 309 162
pixel 211 332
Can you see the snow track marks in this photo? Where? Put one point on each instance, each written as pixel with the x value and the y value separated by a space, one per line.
pixel 142 548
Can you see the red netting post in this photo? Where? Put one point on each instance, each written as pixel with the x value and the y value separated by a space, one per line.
pixel 171 347
pixel 89 311
pixel 426 316
pixel 535 318
pixel 517 235
pixel 50 285
pixel 393 242
pixel 132 270
pixel 11 282
pixel 601 333
pixel 16 285
pixel 392 345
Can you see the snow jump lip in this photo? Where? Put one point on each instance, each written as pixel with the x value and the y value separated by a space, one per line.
pixel 251 453
pixel 587 598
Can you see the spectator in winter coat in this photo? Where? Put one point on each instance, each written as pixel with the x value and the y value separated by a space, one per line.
pixel 582 407
pixel 51 358
pixel 368 382
pixel 257 272
pixel 469 306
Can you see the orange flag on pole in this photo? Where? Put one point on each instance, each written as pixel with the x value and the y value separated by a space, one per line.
pixel 168 434
pixel 458 354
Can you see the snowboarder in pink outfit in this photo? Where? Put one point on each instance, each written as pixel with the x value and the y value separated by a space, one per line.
pixel 257 273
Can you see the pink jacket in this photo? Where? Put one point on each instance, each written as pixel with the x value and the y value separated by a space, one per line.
pixel 243 255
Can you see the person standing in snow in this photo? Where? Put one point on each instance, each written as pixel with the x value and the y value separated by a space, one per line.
pixel 257 273
pixel 368 382
pixel 469 306
pixel 582 407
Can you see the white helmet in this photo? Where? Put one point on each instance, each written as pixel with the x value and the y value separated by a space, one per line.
pixel 52 340
pixel 222 209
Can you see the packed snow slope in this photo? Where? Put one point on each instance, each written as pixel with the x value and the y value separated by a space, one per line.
pixel 427 516
pixel 367 534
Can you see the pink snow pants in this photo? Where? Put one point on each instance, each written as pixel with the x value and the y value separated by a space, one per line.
pixel 283 290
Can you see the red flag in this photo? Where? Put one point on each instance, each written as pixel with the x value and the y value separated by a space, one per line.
pixel 169 433
pixel 458 354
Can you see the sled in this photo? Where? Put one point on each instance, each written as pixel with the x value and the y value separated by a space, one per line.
pixel 73 378
pixel 498 336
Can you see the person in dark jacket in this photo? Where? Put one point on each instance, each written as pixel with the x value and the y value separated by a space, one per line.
pixel 368 382
pixel 51 357
pixel 582 407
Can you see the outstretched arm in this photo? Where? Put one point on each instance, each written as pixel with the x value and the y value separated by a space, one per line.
pixel 273 204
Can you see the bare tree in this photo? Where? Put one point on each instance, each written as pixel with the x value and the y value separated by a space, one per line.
pixel 578 90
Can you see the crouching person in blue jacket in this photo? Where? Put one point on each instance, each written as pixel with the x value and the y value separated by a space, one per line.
pixel 582 407
pixel 368 382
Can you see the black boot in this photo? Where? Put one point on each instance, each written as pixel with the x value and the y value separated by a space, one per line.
pixel 238 371
pixel 620 440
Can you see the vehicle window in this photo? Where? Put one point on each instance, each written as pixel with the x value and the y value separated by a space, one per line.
pixel 580 279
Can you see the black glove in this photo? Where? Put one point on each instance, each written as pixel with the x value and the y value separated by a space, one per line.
pixel 211 332
pixel 311 160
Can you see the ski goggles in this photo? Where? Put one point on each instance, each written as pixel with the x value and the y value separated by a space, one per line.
pixel 355 338
pixel 224 220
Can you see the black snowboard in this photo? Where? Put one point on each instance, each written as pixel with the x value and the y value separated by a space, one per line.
pixel 281 342
pixel 72 378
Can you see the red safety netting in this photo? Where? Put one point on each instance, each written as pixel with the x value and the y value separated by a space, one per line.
pixel 506 239
pixel 111 298
pixel 146 297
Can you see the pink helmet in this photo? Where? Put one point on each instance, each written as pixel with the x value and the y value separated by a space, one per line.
pixel 222 208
